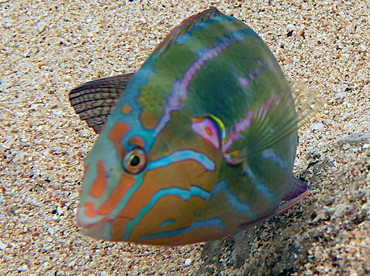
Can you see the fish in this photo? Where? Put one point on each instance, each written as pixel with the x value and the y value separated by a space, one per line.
pixel 199 143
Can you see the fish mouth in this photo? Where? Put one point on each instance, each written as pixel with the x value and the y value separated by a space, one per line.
pixel 98 226
pixel 93 226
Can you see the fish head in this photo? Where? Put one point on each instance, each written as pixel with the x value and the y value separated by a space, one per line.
pixel 148 186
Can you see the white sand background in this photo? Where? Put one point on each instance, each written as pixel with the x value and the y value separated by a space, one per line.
pixel 50 47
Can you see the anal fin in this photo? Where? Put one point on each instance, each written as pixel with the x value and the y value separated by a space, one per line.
pixel 299 187
pixel 295 195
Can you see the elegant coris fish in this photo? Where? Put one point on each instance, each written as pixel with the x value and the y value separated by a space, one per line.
pixel 199 142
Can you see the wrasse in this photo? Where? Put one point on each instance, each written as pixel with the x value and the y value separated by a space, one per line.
pixel 196 144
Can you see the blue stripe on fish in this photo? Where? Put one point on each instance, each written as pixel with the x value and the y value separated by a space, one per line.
pixel 167 222
pixel 261 187
pixel 183 155
pixel 186 38
pixel 270 154
pixel 233 200
pixel 194 191
pixel 167 234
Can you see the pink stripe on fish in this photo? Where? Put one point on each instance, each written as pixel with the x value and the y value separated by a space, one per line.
pixel 181 86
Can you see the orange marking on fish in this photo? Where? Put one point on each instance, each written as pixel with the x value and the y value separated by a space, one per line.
pixel 209 131
pixel 117 227
pixel 148 120
pixel 137 141
pixel 90 209
pixel 117 133
pixel 100 182
pixel 158 214
pixel 127 181
pixel 126 109
pixel 187 172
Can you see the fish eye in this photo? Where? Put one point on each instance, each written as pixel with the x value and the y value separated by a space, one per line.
pixel 135 161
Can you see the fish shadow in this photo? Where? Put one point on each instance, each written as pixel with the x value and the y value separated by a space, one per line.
pixel 279 246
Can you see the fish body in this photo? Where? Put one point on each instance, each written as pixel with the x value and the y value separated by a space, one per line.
pixel 200 141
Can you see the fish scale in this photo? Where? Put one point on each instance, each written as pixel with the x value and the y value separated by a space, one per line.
pixel 199 142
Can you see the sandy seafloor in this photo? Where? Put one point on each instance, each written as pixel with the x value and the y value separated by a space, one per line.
pixel 49 47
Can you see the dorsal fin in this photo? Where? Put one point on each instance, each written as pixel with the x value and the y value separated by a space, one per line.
pixel 93 101
pixel 185 26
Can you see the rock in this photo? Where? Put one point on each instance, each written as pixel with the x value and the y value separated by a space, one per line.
pixel 340 210
pixel 355 138
pixel 318 126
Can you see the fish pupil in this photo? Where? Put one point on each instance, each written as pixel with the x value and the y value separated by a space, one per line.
pixel 135 160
